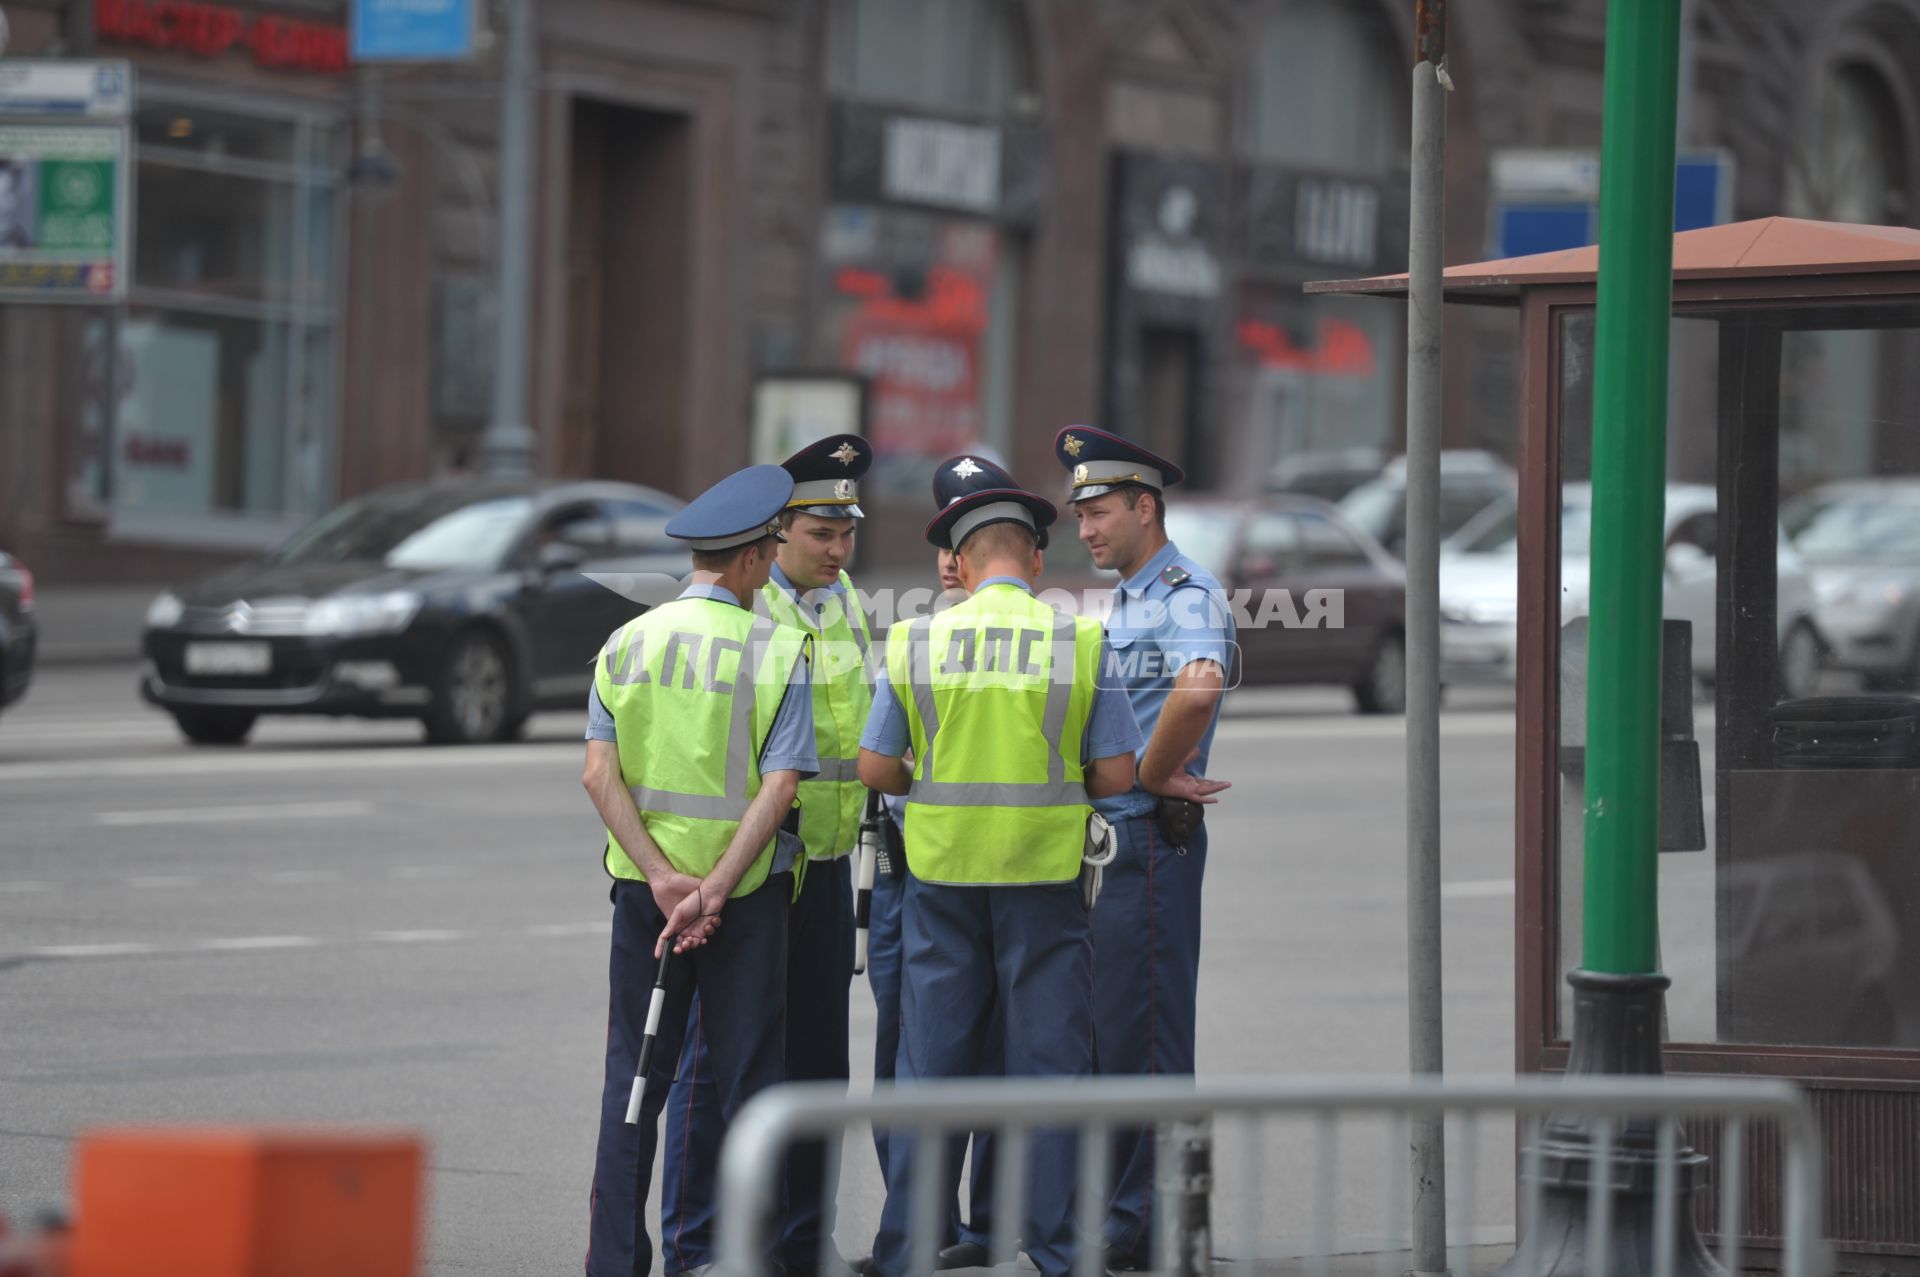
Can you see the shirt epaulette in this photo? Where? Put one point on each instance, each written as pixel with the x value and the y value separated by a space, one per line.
pixel 1173 574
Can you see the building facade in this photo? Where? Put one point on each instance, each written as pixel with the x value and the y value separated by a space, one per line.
pixel 997 216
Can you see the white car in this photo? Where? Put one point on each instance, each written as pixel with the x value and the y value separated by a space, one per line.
pixel 1861 541
pixel 1479 589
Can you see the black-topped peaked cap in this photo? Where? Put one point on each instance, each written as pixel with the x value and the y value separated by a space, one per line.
pixel 975 493
pixel 742 507
pixel 1098 462
pixel 826 476
pixel 964 475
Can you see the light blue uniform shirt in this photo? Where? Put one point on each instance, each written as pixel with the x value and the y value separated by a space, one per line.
pixel 1155 629
pixel 789 745
pixel 1110 730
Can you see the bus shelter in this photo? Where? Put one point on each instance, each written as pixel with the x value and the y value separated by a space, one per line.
pixel 1790 759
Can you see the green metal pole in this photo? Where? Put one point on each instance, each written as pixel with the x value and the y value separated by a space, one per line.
pixel 1629 483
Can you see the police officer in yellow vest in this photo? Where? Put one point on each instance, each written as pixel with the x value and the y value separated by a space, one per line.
pixel 809 590
pixel 700 731
pixel 1011 738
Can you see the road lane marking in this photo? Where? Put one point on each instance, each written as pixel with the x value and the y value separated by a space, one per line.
pixel 230 814
pixel 360 757
pixel 1486 889
pixel 420 873
pixel 22 888
pixel 110 950
pixel 162 881
pixel 256 944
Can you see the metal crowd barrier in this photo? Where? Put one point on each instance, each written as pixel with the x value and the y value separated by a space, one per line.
pixel 1216 1140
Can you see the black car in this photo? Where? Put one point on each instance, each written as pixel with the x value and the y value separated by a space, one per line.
pixel 465 605
pixel 17 629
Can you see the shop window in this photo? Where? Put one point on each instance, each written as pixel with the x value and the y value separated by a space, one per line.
pixel 1326 93
pixel 225 357
pixel 945 55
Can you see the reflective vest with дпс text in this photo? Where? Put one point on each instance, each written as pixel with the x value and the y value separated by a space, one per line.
pixel 693 687
pixel 830 804
pixel 996 691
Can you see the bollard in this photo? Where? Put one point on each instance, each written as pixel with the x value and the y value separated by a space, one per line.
pixel 1185 1160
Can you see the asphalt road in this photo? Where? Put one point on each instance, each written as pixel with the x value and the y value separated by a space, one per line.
pixel 338 924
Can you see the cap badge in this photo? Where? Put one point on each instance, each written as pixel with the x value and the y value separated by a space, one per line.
pixel 1072 444
pixel 843 489
pixel 966 469
pixel 1080 473
pixel 846 454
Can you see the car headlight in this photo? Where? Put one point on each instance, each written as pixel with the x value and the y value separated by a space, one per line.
pixel 164 612
pixel 349 614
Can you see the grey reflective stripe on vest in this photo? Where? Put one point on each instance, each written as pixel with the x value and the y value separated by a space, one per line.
pixel 740 759
pixel 857 619
pixel 963 793
pixel 839 769
pixel 1059 692
pixel 666 802
pixel 920 674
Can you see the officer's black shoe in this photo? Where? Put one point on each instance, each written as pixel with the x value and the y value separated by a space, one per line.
pixel 1115 1260
pixel 963 1255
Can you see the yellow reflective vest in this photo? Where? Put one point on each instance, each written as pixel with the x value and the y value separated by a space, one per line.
pixel 693 687
pixel 830 803
pixel 997 691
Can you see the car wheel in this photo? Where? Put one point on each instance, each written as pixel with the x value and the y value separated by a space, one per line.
pixel 215 726
pixel 1383 688
pixel 1799 661
pixel 473 698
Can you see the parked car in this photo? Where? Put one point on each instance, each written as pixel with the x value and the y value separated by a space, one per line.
pixel 1299 544
pixel 1479 589
pixel 18 629
pixel 1327 475
pixel 1471 482
pixel 1861 540
pixel 461 604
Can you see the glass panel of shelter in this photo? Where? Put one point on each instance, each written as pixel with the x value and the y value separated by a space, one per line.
pixel 1790 824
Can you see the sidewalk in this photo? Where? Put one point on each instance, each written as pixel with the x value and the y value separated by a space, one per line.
pixel 92 624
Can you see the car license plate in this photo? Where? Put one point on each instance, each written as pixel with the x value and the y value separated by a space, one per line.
pixel 229 658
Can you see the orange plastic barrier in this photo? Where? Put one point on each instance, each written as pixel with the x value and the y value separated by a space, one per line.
pixel 246 1203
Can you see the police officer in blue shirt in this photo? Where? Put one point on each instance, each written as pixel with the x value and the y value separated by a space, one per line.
pixel 810 590
pixel 966 1241
pixel 970 945
pixel 1170 642
pixel 659 896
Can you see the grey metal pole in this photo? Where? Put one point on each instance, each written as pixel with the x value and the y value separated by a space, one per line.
pixel 506 448
pixel 1424 1021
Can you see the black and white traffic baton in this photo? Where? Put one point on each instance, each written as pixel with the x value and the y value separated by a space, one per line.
pixel 866 857
pixel 647 1038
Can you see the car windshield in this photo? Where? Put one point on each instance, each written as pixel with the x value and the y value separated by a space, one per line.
pixel 1203 535
pixel 425 531
pixel 1862 528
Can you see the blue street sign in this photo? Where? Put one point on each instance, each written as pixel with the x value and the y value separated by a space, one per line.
pixel 412 30
pixel 1545 200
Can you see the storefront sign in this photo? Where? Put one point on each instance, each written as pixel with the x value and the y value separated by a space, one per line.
pixel 412 30
pixel 995 170
pixel 1312 222
pixel 212 31
pixel 938 162
pixel 792 410
pixel 1169 214
pixel 1168 259
pixel 93 90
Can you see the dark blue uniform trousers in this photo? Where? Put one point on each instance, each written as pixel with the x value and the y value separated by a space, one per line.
pixel 1146 946
pixel 884 952
pixel 738 974
pixel 819 980
pixel 1029 950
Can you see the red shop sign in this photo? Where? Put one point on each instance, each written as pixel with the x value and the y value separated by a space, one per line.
pixel 211 30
